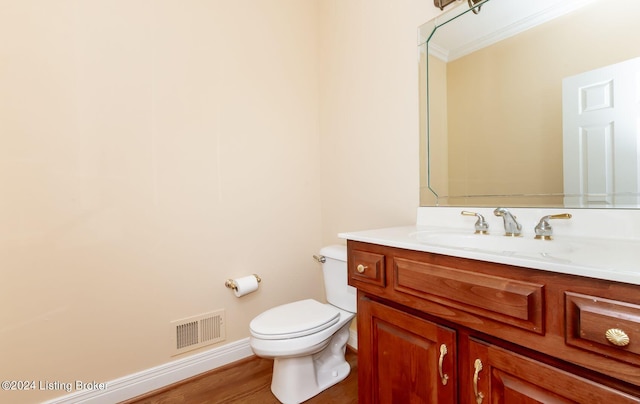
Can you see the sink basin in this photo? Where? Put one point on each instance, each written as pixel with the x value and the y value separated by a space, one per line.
pixel 496 244
pixel 601 254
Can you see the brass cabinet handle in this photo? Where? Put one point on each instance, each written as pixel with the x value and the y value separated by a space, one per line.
pixel 361 268
pixel 476 375
pixel 617 337
pixel 443 376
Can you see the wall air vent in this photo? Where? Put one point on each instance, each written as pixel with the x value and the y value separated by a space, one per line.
pixel 197 331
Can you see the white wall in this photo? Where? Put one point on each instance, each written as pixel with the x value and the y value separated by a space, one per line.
pixel 151 149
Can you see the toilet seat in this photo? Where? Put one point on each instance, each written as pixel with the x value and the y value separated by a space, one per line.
pixel 294 320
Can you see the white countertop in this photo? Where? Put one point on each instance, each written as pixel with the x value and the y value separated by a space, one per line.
pixel 611 255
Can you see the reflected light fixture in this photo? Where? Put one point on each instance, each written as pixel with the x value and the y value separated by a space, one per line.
pixel 441 4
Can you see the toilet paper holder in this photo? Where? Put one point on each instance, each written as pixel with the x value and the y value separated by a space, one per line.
pixel 231 284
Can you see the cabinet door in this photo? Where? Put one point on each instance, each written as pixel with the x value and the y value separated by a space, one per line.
pixel 496 375
pixel 403 358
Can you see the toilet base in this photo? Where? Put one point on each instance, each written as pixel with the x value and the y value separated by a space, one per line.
pixel 298 379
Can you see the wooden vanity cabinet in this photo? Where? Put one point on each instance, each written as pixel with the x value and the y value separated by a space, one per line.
pixel 440 329
pixel 402 350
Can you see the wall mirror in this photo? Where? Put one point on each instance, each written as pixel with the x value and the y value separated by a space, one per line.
pixel 504 97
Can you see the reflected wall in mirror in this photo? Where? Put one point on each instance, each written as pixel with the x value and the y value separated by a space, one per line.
pixel 491 116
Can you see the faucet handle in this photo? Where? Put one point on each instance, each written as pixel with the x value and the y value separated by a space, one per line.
pixel 543 229
pixel 482 227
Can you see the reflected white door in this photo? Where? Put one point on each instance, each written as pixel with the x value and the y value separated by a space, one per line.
pixel 601 120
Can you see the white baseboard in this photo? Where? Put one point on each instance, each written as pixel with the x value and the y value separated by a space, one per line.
pixel 151 379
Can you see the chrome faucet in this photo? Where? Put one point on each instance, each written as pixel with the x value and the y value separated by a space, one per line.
pixel 511 226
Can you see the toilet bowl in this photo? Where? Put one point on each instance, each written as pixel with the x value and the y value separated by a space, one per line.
pixel 307 339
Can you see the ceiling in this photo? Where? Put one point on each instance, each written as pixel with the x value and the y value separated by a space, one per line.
pixel 497 19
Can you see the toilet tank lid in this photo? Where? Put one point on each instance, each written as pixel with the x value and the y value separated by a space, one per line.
pixel 335 251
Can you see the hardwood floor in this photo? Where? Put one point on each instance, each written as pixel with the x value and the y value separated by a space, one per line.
pixel 246 381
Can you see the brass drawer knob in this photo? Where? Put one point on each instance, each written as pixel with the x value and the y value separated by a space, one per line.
pixel 617 337
pixel 361 268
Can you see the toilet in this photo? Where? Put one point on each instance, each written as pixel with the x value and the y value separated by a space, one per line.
pixel 307 339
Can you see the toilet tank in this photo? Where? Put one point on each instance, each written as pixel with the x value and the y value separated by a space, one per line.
pixel 334 269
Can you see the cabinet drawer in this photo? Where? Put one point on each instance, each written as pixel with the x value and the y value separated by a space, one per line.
pixel 503 299
pixel 590 318
pixel 366 268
